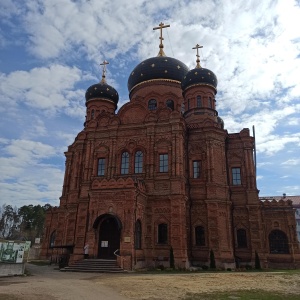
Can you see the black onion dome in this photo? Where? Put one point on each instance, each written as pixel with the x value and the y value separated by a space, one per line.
pixel 199 76
pixel 102 90
pixel 155 68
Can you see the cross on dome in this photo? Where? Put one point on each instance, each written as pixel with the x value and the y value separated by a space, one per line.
pixel 104 70
pixel 197 47
pixel 161 46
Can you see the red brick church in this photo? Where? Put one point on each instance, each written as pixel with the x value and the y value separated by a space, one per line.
pixel 162 172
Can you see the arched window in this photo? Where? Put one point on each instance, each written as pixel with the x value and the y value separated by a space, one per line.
pixel 188 104
pixel 199 101
pixel 209 102
pixel 138 235
pixel 101 167
pixel 170 104
pixel 196 169
pixel 278 242
pixel 162 233
pixel 125 163
pixel 138 162
pixel 52 238
pixel 92 114
pixel 241 236
pixel 199 236
pixel 152 104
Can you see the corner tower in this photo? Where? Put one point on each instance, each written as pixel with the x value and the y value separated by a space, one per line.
pixel 209 205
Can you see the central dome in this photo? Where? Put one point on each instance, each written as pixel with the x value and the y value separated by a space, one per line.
pixel 157 68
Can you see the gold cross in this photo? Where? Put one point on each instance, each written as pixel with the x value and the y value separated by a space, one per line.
pixel 104 70
pixel 161 46
pixel 198 56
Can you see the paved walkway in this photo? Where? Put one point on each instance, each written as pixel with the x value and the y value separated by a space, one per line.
pixel 46 283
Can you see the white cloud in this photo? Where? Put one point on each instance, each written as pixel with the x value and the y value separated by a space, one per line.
pixel 24 170
pixel 291 162
pixel 251 46
pixel 47 88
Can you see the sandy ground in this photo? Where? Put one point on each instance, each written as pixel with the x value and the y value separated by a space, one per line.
pixel 174 286
pixel 47 283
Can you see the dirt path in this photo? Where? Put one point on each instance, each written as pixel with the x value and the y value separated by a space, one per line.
pixel 49 284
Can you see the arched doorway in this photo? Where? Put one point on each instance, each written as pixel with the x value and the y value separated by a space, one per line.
pixel 109 235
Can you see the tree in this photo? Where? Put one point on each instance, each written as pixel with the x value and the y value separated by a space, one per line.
pixel 32 221
pixel 9 221
pixel 25 223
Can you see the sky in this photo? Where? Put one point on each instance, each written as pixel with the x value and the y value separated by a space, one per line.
pixel 50 51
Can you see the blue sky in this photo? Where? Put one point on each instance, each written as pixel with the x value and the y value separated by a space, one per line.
pixel 50 52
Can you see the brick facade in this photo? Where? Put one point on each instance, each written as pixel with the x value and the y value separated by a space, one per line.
pixel 154 210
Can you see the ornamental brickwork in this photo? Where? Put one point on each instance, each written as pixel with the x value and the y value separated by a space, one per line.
pixel 193 187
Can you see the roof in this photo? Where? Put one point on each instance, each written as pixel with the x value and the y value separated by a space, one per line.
pixel 295 199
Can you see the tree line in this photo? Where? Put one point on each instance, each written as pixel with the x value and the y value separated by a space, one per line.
pixel 24 223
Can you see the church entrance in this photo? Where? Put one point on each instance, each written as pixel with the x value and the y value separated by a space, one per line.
pixel 109 238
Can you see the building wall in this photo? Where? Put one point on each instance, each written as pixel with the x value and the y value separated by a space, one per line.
pixel 213 201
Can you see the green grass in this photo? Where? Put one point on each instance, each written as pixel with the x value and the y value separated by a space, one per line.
pixel 241 295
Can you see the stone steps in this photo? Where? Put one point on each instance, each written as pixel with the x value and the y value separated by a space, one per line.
pixel 94 266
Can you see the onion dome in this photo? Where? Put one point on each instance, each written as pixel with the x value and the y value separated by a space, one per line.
pixel 199 76
pixel 102 90
pixel 157 68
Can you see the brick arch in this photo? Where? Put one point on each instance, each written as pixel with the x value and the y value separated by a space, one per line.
pixel 105 216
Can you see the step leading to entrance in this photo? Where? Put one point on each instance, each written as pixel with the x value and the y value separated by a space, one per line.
pixel 94 266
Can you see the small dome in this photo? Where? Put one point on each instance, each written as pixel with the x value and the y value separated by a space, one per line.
pixel 199 76
pixel 102 90
pixel 157 68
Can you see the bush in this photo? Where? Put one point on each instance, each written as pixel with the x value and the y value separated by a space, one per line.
pixel 229 269
pixel 204 267
pixel 248 267
pixel 257 262
pixel 172 261
pixel 212 263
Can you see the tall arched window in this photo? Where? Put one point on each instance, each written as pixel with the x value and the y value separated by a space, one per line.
pixel 52 238
pixel 138 162
pixel 138 235
pixel 162 233
pixel 199 101
pixel 241 236
pixel 92 114
pixel 152 104
pixel 278 242
pixel 125 163
pixel 170 104
pixel 199 236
